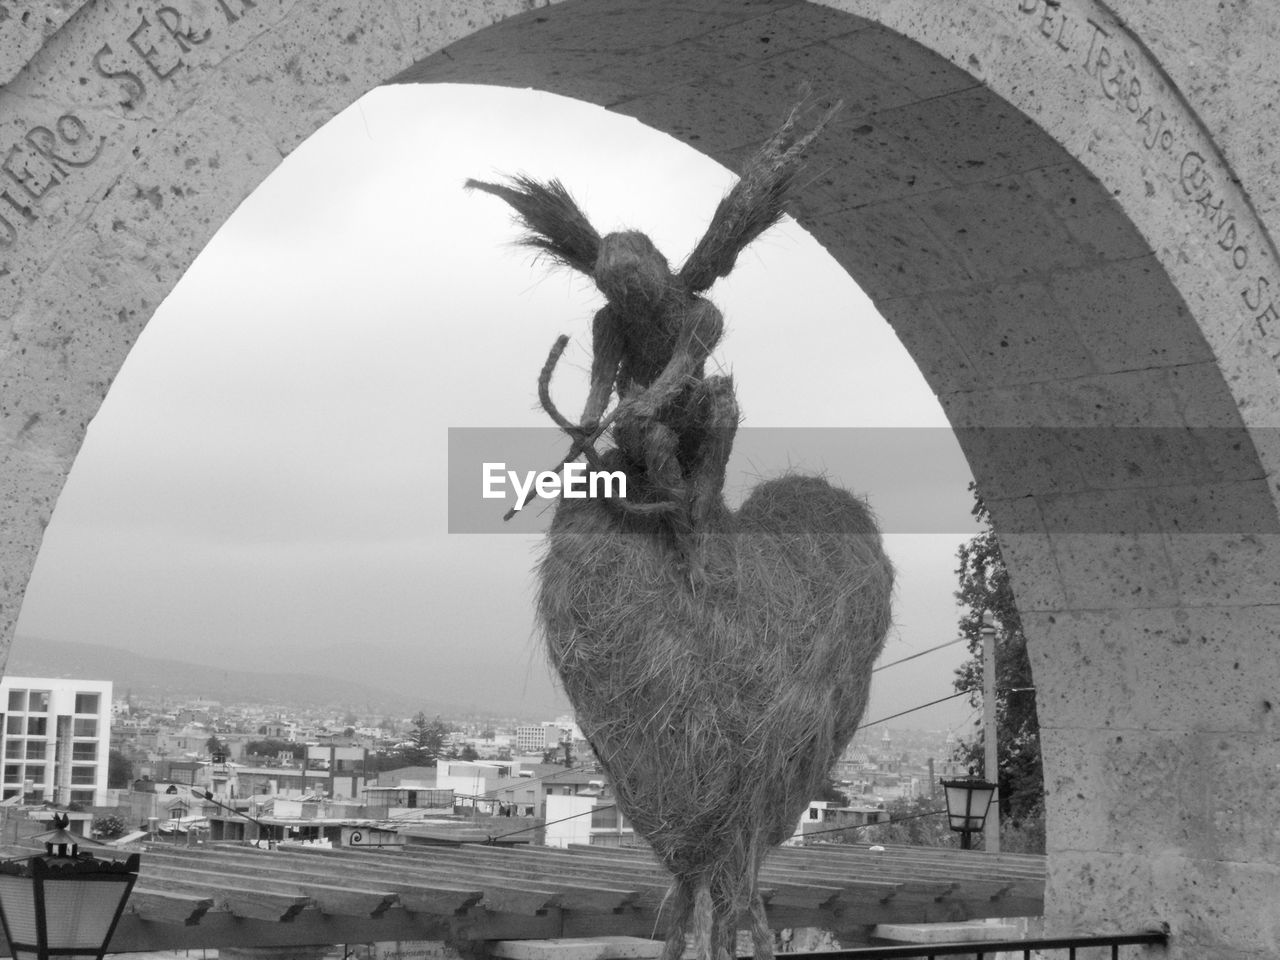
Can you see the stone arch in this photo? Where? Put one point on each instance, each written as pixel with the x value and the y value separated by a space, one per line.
pixel 1060 206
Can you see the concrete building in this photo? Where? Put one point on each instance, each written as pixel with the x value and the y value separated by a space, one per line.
pixel 471 779
pixel 824 817
pixel 288 782
pixel 345 765
pixel 585 818
pixel 56 737
pixel 534 738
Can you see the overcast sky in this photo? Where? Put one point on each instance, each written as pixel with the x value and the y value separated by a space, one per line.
pixel 267 482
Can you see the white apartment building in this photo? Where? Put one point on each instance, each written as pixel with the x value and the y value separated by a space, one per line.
pixel 586 819
pixel 472 779
pixel 537 737
pixel 55 737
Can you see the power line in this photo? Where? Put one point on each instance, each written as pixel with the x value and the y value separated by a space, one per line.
pixel 872 723
pixel 575 816
pixel 811 833
pixel 876 823
pixel 903 713
pixel 520 781
pixel 941 646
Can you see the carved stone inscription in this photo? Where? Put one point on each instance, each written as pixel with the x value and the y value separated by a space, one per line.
pixel 1126 77
pixel 37 165
pixel 151 48
pixel 156 47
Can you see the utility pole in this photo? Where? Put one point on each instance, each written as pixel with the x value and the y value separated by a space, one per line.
pixel 991 763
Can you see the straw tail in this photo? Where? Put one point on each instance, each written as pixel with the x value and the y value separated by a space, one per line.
pixel 556 225
pixel 705 914
pixel 755 203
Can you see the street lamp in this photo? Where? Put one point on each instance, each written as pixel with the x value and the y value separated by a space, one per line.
pixel 63 903
pixel 968 799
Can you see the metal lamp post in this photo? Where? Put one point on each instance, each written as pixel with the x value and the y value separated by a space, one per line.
pixel 63 903
pixel 968 800
pixel 990 735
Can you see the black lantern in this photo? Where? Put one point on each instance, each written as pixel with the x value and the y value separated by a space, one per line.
pixel 63 903
pixel 968 799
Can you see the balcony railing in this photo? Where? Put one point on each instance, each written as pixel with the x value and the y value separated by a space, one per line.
pixel 1064 948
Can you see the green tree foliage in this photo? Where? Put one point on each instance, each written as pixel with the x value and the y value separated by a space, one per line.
pixel 108 826
pixel 984 585
pixel 427 740
pixel 831 793
pixel 119 771
pixel 922 822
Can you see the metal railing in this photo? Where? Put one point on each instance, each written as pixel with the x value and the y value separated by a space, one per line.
pixel 1064 947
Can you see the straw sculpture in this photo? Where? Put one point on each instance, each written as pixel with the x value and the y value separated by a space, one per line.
pixel 719 660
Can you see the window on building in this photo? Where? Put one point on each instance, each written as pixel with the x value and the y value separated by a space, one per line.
pixel 36 749
pixel 38 701
pixel 13 749
pixel 84 727
pixel 83 752
pixel 83 775
pixel 37 726
pixel 604 818
pixel 13 773
pixel 18 701
pixel 86 703
pixel 14 725
pixel 82 796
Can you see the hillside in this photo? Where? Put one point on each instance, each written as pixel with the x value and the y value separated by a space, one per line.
pixel 155 677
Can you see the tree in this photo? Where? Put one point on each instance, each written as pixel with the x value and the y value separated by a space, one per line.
pixel 427 740
pixel 214 745
pixel 984 585
pixel 831 793
pixel 920 822
pixel 119 770
pixel 108 826
pixel 468 752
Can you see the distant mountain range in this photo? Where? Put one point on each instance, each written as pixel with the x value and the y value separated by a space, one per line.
pixel 156 677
